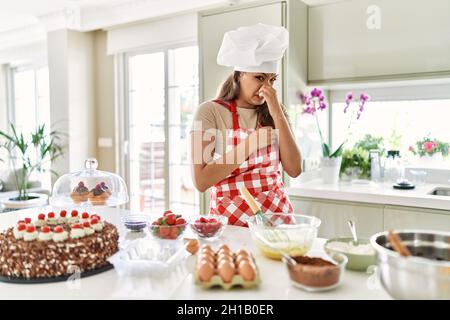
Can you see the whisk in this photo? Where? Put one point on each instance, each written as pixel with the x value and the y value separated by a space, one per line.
pixel 269 230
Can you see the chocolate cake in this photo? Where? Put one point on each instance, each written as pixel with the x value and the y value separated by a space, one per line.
pixel 56 246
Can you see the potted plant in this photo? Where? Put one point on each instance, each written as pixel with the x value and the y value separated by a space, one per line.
pixel 431 152
pixel 27 156
pixel 331 160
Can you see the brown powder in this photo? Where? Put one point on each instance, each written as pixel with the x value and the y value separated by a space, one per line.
pixel 314 272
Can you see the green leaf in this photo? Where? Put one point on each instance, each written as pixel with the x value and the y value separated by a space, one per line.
pixel 338 152
pixel 325 150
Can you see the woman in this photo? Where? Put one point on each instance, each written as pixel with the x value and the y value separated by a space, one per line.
pixel 239 138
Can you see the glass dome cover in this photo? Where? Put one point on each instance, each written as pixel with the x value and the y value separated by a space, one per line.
pixel 89 187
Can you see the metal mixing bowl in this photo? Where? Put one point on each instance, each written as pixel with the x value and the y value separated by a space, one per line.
pixel 425 274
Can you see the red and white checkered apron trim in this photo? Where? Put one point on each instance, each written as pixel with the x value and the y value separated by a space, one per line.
pixel 260 174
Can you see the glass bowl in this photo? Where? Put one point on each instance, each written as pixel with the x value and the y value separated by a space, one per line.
pixel 312 274
pixel 136 222
pixel 289 233
pixel 209 227
pixel 168 232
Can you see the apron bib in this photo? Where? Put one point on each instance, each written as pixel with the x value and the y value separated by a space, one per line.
pixel 260 174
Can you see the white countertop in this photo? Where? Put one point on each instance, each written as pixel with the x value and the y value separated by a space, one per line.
pixel 375 193
pixel 180 285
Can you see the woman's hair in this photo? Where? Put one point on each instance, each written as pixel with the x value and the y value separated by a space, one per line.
pixel 230 90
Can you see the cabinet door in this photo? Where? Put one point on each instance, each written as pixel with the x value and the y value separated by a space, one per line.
pixel 378 39
pixel 334 217
pixel 415 218
pixel 213 26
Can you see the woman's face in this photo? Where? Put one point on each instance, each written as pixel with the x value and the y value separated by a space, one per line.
pixel 251 82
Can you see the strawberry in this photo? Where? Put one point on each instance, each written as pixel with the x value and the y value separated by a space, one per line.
pixel 21 226
pixel 96 216
pixel 45 229
pixel 59 229
pixel 180 221
pixel 27 220
pixel 174 231
pixel 203 220
pixel 164 232
pixel 85 215
pixel 160 221
pixel 167 212
pixel 41 216
pixel 171 219
pixel 74 213
pixel 51 215
pixel 94 220
pixel 63 213
pixel 31 229
pixel 21 221
pixel 86 224
pixel 76 226
pixel 212 220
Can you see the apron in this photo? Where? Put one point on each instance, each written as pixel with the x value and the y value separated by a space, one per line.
pixel 260 174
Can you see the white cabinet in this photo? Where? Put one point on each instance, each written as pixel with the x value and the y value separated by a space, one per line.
pixel 213 24
pixel 335 214
pixel 369 218
pixel 378 39
pixel 415 218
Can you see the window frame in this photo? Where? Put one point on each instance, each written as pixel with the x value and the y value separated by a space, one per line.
pixel 123 98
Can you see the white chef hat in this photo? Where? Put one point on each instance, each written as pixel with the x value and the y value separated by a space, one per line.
pixel 257 48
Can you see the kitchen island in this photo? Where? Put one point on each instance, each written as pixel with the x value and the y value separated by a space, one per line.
pixel 179 284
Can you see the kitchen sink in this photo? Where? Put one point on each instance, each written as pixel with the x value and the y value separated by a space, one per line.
pixel 440 192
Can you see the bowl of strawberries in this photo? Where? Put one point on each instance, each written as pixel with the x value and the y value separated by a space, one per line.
pixel 209 227
pixel 168 227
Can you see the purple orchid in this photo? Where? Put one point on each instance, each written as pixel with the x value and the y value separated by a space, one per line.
pixel 348 100
pixel 316 93
pixel 322 106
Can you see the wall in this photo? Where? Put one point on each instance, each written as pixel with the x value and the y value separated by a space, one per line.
pixel 72 95
pixel 104 101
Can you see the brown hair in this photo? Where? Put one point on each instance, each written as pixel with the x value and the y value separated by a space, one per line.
pixel 230 90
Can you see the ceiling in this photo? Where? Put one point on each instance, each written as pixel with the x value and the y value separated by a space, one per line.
pixel 25 13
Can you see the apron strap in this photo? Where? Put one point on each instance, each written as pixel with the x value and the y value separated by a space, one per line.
pixel 232 107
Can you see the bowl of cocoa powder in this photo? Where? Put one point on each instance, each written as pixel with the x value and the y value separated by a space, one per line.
pixel 317 271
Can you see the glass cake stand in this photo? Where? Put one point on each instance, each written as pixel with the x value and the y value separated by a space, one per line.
pixel 89 188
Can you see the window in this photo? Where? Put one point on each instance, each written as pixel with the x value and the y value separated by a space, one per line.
pixel 162 94
pixel 30 106
pixel 400 123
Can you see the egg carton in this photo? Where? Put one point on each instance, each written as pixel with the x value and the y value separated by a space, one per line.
pixel 237 280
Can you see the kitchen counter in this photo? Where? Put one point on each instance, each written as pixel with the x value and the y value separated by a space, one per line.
pixel 374 193
pixel 108 285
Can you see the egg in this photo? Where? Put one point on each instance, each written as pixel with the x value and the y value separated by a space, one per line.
pixel 208 258
pixel 246 271
pixel 206 247
pixel 242 252
pixel 240 258
pixel 226 271
pixel 224 257
pixel 205 270
pixel 192 246
pixel 207 253
pixel 224 247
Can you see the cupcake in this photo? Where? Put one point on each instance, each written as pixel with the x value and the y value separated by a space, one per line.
pixel 40 220
pixel 60 234
pixel 105 187
pixel 46 234
pixel 80 193
pixel 98 195
pixel 30 234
